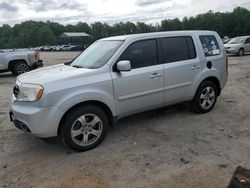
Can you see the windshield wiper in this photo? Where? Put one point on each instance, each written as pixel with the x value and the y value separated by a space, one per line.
pixel 68 63
pixel 77 66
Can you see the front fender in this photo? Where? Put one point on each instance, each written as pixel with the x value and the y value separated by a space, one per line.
pixel 73 97
pixel 88 96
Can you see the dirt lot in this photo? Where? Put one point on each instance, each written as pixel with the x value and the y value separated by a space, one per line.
pixel 171 147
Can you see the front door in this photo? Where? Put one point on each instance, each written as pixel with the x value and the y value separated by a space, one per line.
pixel 141 88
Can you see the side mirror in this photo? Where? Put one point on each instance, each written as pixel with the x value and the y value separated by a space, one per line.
pixel 124 65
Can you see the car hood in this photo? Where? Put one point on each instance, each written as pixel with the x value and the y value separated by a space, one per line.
pixel 232 45
pixel 52 74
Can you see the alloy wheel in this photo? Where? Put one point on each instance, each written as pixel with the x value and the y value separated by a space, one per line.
pixel 86 130
pixel 207 97
pixel 22 68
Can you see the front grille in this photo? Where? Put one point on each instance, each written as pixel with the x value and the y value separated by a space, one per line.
pixel 16 90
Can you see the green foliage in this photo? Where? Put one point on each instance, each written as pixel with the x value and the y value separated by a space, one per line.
pixel 32 34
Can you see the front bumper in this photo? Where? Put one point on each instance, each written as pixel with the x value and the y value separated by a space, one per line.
pixel 231 51
pixel 18 124
pixel 41 122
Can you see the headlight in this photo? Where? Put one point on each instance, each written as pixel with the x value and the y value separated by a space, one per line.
pixel 29 92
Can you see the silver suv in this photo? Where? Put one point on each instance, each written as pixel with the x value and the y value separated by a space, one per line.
pixel 117 77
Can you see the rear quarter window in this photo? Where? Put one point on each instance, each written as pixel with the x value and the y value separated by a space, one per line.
pixel 210 45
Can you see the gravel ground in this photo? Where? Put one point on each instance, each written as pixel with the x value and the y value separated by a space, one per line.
pixel 170 147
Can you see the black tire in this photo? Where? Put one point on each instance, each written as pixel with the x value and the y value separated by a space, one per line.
pixel 20 68
pixel 201 101
pixel 72 120
pixel 241 52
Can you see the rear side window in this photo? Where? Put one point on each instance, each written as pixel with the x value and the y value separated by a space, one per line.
pixel 210 45
pixel 141 54
pixel 177 49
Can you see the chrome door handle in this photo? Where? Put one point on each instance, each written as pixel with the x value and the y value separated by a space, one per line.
pixel 155 75
pixel 196 67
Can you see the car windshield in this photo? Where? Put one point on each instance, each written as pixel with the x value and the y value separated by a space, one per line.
pixel 97 54
pixel 237 40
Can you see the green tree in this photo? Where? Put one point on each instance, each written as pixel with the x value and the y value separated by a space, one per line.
pixel 45 36
pixel 31 33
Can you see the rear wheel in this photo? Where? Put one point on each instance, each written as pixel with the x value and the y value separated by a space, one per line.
pixel 84 128
pixel 241 52
pixel 20 68
pixel 205 97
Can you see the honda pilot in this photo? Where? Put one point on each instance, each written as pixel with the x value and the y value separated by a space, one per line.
pixel 116 77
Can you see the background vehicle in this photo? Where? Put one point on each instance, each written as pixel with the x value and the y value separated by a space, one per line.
pixel 19 62
pixel 57 48
pixel 78 48
pixel 50 48
pixel 238 45
pixel 116 77
pixel 71 48
pixel 65 48
pixel 45 48
pixel 226 39
pixel 68 48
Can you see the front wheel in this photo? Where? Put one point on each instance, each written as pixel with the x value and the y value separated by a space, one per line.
pixel 84 128
pixel 241 52
pixel 205 97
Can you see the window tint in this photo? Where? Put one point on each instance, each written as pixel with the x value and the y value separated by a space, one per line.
pixel 177 49
pixel 191 48
pixel 141 54
pixel 247 41
pixel 210 45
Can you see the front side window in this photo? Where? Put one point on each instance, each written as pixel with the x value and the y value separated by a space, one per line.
pixel 247 41
pixel 210 45
pixel 97 54
pixel 177 49
pixel 141 54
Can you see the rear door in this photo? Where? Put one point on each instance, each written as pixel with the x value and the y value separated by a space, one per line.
pixel 141 88
pixel 181 67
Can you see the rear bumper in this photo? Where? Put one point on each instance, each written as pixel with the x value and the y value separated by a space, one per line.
pixel 37 64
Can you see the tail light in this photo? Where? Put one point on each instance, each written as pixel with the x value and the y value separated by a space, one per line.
pixel 227 64
pixel 37 56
